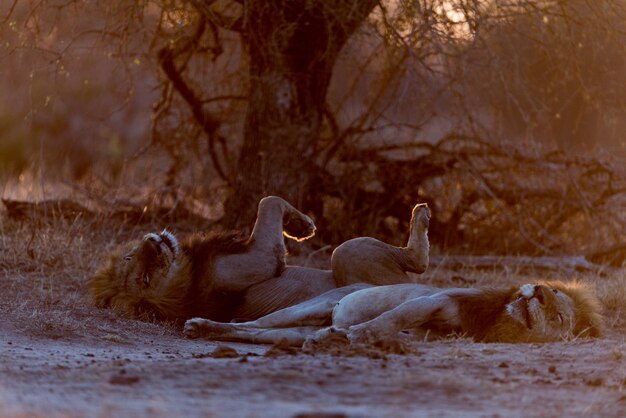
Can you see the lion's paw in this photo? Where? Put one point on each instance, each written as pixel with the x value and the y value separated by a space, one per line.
pixel 359 334
pixel 324 338
pixel 328 333
pixel 194 327
pixel 421 216
pixel 299 227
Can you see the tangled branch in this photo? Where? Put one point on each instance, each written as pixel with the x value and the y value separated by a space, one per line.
pixel 207 121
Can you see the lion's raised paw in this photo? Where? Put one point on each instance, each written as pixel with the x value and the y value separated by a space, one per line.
pixel 421 216
pixel 299 227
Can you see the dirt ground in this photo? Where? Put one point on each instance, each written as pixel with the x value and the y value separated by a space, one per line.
pixel 60 357
pixel 112 372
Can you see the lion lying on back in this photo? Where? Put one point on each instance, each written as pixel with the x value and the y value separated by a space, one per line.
pixel 225 277
pixel 220 276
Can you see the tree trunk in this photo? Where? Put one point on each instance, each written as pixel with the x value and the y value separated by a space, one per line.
pixel 292 46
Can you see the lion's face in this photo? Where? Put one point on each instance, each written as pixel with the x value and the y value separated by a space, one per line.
pixel 545 312
pixel 143 266
pixel 135 273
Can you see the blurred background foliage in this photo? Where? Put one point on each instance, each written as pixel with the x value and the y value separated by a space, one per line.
pixel 507 117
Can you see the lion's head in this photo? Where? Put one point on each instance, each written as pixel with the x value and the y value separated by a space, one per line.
pixel 148 263
pixel 134 272
pixel 552 311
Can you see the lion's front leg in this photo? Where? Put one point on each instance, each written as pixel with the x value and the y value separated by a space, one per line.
pixel 408 315
pixel 198 327
pixel 265 256
pixel 275 217
pixel 219 331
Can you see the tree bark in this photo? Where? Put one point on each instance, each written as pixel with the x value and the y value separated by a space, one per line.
pixel 292 47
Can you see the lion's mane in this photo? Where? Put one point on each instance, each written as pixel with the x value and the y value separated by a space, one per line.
pixel 189 291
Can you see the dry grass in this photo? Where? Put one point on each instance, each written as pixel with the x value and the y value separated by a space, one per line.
pixel 43 270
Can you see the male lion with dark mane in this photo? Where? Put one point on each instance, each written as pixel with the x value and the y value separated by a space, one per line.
pixel 539 312
pixel 227 277
pixel 215 276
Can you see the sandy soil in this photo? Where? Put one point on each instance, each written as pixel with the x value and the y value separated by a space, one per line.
pixel 116 369
pixel 62 357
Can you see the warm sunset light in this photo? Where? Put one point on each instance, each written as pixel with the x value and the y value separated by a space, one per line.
pixel 312 208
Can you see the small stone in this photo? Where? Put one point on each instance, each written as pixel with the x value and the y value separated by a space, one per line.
pixel 223 351
pixel 122 379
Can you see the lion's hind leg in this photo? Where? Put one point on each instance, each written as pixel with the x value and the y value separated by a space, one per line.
pixel 418 248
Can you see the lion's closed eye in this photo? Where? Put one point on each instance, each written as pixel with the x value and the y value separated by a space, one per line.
pixel 130 255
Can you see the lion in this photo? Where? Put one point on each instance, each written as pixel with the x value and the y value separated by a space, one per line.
pixel 368 260
pixel 533 312
pixel 227 277
pixel 219 276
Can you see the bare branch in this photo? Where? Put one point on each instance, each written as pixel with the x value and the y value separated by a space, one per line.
pixel 10 13
pixel 207 121
pixel 231 23
pixel 224 98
